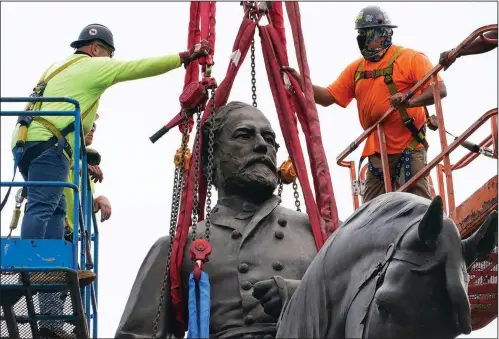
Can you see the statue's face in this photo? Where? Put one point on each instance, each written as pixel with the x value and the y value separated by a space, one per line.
pixel 245 155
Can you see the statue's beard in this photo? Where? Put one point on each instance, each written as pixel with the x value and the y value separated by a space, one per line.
pixel 256 180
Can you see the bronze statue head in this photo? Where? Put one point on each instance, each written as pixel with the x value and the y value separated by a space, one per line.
pixel 244 152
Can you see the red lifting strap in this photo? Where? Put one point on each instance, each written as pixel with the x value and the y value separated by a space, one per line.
pixel 289 131
pixel 200 13
pixel 240 49
pixel 318 160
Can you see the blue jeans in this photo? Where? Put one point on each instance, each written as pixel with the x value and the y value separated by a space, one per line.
pixel 45 206
pixel 44 216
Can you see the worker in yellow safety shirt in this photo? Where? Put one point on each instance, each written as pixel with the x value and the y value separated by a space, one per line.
pixel 381 78
pixel 46 143
pixel 101 203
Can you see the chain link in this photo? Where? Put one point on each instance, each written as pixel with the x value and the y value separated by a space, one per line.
pixel 297 196
pixel 178 188
pixel 209 185
pixel 197 155
pixel 281 187
pixel 253 74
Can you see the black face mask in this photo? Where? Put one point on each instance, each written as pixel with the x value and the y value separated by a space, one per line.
pixel 361 41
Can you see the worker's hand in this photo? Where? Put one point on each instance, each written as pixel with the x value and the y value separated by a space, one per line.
pixel 293 73
pixel 267 293
pixel 396 100
pixel 103 205
pixel 199 50
pixel 445 60
pixel 95 173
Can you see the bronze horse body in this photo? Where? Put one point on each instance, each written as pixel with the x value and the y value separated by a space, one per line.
pixel 397 268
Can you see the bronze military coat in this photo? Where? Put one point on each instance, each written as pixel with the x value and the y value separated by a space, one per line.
pixel 250 244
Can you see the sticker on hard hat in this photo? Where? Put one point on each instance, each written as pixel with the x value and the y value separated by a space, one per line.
pixel 92 31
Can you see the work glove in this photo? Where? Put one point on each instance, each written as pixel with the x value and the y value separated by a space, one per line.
pixel 274 293
pixel 445 60
pixel 197 51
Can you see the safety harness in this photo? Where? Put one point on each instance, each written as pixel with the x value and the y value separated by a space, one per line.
pixel 59 136
pixel 419 135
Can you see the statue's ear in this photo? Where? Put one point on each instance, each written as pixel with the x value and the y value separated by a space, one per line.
pixel 431 224
pixel 482 242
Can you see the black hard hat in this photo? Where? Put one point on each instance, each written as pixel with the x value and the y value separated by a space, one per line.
pixel 94 32
pixel 371 17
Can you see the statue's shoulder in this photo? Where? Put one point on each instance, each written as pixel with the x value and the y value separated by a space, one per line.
pixel 163 241
pixel 293 217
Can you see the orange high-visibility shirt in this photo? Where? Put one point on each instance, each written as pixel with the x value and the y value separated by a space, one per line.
pixel 373 96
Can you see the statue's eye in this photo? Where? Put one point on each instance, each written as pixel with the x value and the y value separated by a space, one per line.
pixel 270 140
pixel 243 135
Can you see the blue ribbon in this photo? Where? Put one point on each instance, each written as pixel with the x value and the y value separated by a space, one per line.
pixel 199 306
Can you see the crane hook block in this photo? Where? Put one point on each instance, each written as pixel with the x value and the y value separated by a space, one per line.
pixel 187 158
pixel 200 250
pixel 287 172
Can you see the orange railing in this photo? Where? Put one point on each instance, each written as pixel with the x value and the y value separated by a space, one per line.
pixel 444 171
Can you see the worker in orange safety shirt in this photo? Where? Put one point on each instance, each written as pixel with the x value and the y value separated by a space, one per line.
pixel 378 79
pixel 477 46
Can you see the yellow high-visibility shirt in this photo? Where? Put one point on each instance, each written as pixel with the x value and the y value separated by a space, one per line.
pixel 86 80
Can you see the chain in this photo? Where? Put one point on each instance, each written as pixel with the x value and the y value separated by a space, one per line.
pixel 210 166
pixel 253 73
pixel 178 188
pixel 297 196
pixel 197 155
pixel 281 187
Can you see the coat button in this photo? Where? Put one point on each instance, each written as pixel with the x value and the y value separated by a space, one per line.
pixel 249 320
pixel 243 268
pixel 282 222
pixel 235 234
pixel 277 265
pixel 279 234
pixel 246 285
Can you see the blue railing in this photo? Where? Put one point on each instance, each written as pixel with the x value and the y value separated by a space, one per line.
pixel 21 260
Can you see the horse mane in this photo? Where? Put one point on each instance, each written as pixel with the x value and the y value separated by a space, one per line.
pixel 390 210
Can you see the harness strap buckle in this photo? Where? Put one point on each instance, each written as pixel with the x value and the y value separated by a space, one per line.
pixel 408 121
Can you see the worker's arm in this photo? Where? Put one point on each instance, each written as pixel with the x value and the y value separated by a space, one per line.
pixel 107 71
pixel 340 92
pixel 321 94
pixel 419 65
pixel 426 98
pixel 111 71
pixel 477 46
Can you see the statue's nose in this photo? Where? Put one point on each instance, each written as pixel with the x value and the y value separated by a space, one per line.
pixel 260 145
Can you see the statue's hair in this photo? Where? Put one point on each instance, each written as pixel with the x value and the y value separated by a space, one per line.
pixel 218 121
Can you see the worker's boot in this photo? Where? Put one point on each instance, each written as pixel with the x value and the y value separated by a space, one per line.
pixel 86 277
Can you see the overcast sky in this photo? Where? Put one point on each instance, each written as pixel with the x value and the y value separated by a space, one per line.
pixel 138 175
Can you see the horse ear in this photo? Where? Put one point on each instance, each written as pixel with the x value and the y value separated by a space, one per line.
pixel 482 242
pixel 432 222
